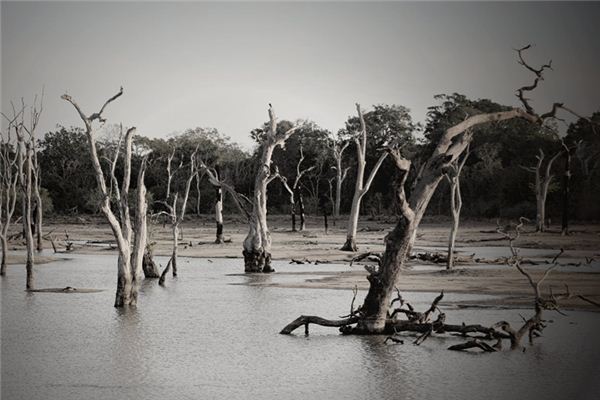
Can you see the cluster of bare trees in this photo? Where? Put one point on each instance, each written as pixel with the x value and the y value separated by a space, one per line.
pixel 373 315
pixel 21 175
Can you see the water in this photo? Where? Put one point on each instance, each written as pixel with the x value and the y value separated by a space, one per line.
pixel 207 336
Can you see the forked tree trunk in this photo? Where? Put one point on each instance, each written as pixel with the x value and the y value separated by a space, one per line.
pixel 361 187
pixel 398 242
pixel 453 177
pixel 340 176
pixel 130 253
pixel 542 183
pixel 257 244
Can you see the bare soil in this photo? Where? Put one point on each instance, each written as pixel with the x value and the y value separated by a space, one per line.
pixel 581 271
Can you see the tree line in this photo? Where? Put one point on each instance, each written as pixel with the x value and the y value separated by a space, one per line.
pixel 496 180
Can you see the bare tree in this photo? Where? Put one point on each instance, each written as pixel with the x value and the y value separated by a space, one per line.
pixel 373 315
pixel 215 179
pixel 220 186
pixel 453 177
pixel 9 178
pixel 542 183
pixel 172 213
pixel 564 230
pixel 257 245
pixel 340 174
pixel 130 247
pixel 25 144
pixel 361 187
pixel 295 189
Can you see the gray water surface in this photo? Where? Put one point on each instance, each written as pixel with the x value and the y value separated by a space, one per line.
pixel 206 336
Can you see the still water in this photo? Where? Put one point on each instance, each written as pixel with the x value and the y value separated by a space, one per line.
pixel 208 335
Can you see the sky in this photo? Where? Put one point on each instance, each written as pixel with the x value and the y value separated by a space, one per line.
pixel 184 65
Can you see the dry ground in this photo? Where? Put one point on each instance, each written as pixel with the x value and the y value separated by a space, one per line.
pixel 92 235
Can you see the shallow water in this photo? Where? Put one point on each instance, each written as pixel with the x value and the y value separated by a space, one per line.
pixel 206 336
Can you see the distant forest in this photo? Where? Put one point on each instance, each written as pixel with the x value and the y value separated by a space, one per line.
pixel 498 179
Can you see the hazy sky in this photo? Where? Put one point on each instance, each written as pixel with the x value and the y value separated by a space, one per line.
pixel 218 65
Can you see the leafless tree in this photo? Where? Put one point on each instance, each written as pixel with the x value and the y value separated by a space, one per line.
pixel 338 149
pixel 542 183
pixel 221 187
pixel 296 190
pixel 175 216
pixel 130 246
pixel 373 316
pixel 257 245
pixel 215 179
pixel 9 178
pixel 361 187
pixel 453 177
pixel 564 230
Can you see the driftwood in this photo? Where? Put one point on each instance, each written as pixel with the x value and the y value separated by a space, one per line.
pixel 161 280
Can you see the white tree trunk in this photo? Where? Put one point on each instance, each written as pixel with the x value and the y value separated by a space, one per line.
pixel 219 215
pixel 257 244
pixel 361 187
pixel 129 263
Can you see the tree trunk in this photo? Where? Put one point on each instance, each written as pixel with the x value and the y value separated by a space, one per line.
pixel 540 217
pixel 293 214
pixel 4 243
pixel 149 266
pixel 39 213
pixel 26 199
pixel 350 244
pixel 566 192
pixel 301 211
pixel 175 245
pixel 219 214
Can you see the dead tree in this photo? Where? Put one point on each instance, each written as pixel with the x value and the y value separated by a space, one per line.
pixel 295 189
pixel 220 187
pixel 564 230
pixel 131 241
pixel 542 183
pixel 9 178
pixel 373 317
pixel 340 174
pixel 402 317
pixel 453 177
pixel 257 244
pixel 215 179
pixel 172 213
pixel 25 177
pixel 361 187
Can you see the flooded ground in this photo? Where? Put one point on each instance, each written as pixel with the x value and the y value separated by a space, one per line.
pixel 213 333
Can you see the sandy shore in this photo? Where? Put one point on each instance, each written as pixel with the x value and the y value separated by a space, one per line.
pixel 92 235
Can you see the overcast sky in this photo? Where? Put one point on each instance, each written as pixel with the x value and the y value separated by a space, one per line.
pixel 218 65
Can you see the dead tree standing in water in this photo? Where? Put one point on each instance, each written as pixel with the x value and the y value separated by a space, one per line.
pixel 373 317
pixel 361 187
pixel 257 245
pixel 177 217
pixel 9 178
pixel 297 190
pixel 130 247
pixel 542 183
pixel 453 177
